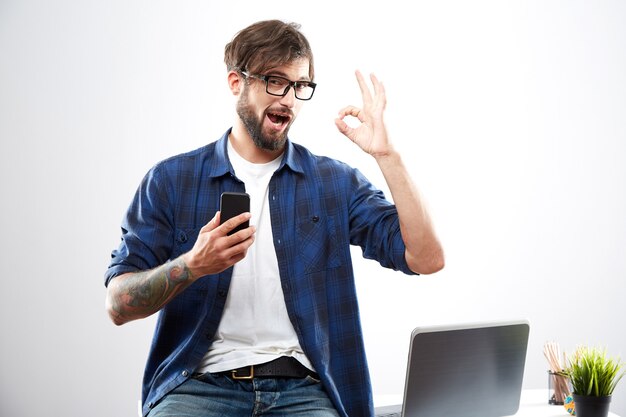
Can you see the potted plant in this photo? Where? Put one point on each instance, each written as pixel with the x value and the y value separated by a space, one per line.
pixel 593 376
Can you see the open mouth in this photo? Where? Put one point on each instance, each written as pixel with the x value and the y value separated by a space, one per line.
pixel 278 119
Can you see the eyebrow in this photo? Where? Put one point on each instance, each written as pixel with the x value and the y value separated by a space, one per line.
pixel 278 73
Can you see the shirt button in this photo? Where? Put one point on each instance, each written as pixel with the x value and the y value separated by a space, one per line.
pixel 273 197
pixel 279 241
pixel 150 404
pixel 221 293
pixel 185 373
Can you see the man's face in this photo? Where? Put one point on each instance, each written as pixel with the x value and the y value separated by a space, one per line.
pixel 268 118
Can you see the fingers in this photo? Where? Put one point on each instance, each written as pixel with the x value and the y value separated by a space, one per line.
pixel 237 252
pixel 233 248
pixel 228 225
pixel 352 111
pixel 365 91
pixel 233 222
pixel 379 98
pixel 240 240
pixel 215 250
pixel 379 90
pixel 343 127
pixel 378 85
pixel 212 224
pixel 221 231
pixel 372 105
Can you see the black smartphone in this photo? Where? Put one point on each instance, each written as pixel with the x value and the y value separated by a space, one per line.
pixel 231 205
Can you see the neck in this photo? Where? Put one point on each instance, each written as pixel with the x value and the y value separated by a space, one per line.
pixel 245 147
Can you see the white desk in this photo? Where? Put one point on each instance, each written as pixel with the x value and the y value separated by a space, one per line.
pixel 534 403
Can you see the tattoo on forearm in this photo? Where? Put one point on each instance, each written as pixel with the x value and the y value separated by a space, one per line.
pixel 148 291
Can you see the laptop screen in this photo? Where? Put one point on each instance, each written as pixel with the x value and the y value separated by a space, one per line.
pixel 472 370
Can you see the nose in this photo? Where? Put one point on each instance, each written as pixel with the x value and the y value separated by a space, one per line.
pixel 289 99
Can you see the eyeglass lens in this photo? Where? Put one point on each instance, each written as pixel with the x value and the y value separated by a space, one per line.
pixel 279 86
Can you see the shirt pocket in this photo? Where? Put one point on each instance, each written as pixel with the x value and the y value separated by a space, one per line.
pixel 317 243
pixel 184 240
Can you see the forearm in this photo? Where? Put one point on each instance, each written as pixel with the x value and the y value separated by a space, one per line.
pixel 424 253
pixel 137 295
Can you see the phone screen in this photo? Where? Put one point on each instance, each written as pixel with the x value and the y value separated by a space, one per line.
pixel 233 204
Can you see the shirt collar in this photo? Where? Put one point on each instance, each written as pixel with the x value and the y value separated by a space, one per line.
pixel 222 166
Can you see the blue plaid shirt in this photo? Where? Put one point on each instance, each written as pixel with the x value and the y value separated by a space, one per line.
pixel 319 207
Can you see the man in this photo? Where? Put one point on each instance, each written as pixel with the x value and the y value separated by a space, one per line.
pixel 265 321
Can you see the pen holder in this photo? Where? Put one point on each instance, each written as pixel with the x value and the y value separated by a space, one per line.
pixel 558 388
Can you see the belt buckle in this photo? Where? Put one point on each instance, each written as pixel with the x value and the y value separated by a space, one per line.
pixel 233 374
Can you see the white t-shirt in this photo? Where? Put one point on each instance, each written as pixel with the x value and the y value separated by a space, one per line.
pixel 255 327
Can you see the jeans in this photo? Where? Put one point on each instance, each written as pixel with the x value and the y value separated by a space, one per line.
pixel 217 395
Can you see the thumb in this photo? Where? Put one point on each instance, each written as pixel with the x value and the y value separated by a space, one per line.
pixel 343 127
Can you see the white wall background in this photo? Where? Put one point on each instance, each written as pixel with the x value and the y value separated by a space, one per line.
pixel 510 114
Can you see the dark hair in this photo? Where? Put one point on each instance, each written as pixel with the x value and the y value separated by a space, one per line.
pixel 267 44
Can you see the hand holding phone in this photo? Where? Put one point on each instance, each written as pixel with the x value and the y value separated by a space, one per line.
pixel 233 204
pixel 207 256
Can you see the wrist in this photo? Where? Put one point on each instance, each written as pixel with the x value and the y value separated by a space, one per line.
pixel 186 260
pixel 388 158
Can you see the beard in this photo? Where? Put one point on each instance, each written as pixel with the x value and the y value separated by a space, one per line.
pixel 254 126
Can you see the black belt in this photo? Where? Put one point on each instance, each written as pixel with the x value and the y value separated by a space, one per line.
pixel 283 367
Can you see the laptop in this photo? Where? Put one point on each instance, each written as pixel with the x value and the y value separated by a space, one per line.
pixel 464 370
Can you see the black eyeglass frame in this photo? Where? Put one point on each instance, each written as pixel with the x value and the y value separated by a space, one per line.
pixel 290 84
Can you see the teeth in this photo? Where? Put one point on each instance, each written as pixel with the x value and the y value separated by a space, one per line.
pixel 277 119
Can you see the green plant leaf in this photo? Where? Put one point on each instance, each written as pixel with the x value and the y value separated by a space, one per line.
pixel 592 373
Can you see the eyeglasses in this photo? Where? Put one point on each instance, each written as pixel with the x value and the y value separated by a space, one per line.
pixel 279 86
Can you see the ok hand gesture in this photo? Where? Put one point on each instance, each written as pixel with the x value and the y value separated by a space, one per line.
pixel 371 134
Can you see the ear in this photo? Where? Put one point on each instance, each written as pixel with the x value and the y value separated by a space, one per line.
pixel 235 82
